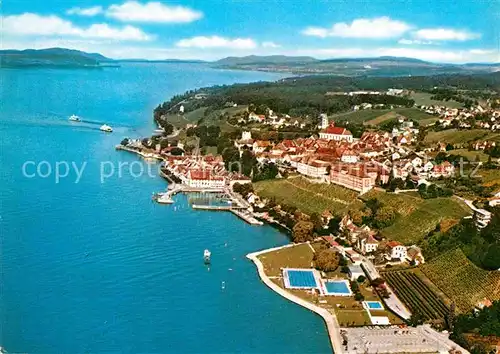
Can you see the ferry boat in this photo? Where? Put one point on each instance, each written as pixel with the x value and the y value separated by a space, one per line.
pixel 206 256
pixel 106 128
pixel 74 118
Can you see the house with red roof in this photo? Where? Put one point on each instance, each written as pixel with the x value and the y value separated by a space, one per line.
pixel 336 133
pixel 445 169
pixel 396 250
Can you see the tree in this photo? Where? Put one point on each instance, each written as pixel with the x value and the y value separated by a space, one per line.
pixel 302 231
pixel 416 318
pixel 384 217
pixel 361 279
pixel 124 142
pixel 359 297
pixel 326 260
pixel 248 161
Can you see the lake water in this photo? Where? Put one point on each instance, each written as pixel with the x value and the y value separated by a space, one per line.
pixel 99 267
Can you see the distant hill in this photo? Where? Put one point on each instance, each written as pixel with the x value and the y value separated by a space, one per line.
pixel 261 60
pixel 52 57
pixel 380 66
pixel 173 61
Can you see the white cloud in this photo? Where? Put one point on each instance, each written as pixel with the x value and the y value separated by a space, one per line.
pixel 445 34
pixel 29 24
pixel 381 27
pixel 413 41
pixel 270 45
pixel 88 11
pixel 316 32
pixel 133 11
pixel 216 42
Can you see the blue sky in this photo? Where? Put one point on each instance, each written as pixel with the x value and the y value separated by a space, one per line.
pixel 439 30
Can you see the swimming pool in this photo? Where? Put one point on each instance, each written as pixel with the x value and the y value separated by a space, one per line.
pixel 337 287
pixel 373 305
pixel 299 278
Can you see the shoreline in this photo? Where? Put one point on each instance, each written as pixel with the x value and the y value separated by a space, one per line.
pixel 330 319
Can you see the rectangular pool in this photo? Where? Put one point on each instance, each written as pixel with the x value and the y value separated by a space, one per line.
pixel 299 278
pixel 337 287
pixel 374 305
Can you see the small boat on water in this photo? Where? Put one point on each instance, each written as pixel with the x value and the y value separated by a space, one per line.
pixel 74 118
pixel 106 128
pixel 163 198
pixel 206 256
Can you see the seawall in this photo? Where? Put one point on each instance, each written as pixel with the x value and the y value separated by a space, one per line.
pixel 330 319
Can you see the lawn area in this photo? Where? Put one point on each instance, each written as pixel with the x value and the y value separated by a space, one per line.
pixel 455 136
pixel 306 196
pixel 299 256
pixel 461 280
pixel 424 98
pixel 417 216
pixel 377 116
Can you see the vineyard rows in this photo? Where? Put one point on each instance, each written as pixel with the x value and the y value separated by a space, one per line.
pixel 416 295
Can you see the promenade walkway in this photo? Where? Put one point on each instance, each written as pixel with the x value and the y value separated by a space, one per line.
pixel 330 319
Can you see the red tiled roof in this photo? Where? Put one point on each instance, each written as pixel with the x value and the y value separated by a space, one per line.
pixel 203 175
pixel 393 244
pixel 332 129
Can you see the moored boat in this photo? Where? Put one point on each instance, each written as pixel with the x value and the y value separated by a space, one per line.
pixel 74 118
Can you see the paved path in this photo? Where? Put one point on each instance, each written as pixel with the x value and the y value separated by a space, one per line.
pixel 329 318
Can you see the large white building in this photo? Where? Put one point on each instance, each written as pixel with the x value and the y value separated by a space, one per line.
pixel 336 133
pixel 198 178
pixel 314 169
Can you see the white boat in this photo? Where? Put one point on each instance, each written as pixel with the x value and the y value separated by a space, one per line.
pixel 74 118
pixel 106 128
pixel 164 198
pixel 206 256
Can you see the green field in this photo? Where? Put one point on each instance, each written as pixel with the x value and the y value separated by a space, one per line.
pixel 417 216
pixel 213 118
pixel 461 280
pixel 306 196
pixel 180 121
pixel 455 136
pixel 377 116
pixel 381 119
pixel 359 116
pixel 416 294
pixel 470 155
pixel 423 98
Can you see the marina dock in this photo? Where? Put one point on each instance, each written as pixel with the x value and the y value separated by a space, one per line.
pixel 238 205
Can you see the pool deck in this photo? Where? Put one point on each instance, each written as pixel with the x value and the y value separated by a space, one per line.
pixel 330 319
